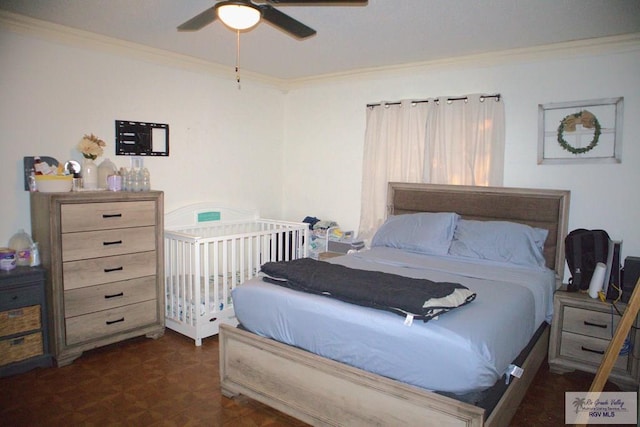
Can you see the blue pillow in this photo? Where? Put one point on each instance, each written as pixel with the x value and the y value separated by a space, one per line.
pixel 499 241
pixel 426 232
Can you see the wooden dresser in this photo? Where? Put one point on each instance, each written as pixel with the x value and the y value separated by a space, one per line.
pixel 103 252
pixel 23 322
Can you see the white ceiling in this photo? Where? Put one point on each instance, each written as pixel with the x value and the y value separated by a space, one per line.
pixel 383 33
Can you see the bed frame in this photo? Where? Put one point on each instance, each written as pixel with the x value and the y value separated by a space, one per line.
pixel 323 392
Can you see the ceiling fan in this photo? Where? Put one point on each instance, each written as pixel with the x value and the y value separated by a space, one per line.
pixel 243 15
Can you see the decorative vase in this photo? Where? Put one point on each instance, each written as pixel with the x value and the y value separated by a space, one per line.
pixel 89 175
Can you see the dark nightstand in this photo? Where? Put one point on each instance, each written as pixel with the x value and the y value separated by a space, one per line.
pixel 24 339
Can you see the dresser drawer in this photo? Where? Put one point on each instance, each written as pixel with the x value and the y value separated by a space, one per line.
pixel 19 297
pixel 102 297
pixel 588 349
pixel 20 348
pixel 94 244
pixel 17 320
pixel 109 322
pixel 96 271
pixel 589 322
pixel 105 216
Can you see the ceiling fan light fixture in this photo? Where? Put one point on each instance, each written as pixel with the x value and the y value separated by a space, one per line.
pixel 238 15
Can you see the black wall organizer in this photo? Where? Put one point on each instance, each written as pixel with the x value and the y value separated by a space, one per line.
pixel 141 139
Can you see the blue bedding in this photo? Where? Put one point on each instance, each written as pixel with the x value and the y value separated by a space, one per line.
pixel 466 350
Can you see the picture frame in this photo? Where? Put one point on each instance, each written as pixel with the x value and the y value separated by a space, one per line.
pixel 587 131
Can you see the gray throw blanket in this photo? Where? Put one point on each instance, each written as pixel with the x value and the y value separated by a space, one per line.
pixel 414 298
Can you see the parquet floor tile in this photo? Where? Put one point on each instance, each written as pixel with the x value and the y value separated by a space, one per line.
pixel 170 382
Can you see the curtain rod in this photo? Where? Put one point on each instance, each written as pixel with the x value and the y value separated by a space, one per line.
pixel 420 101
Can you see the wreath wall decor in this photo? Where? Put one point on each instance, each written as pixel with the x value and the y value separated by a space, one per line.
pixel 589 121
pixel 576 132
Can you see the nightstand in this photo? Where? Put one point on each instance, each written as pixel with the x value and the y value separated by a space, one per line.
pixel 581 330
pixel 23 321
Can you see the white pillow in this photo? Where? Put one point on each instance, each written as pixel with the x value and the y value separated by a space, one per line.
pixel 426 232
pixel 499 241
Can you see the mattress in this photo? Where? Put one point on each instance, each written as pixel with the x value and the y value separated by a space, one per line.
pixel 174 300
pixel 463 351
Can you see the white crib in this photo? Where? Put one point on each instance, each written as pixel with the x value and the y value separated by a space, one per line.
pixel 209 250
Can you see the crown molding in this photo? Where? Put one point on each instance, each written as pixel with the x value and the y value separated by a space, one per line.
pixel 71 36
pixel 585 47
pixel 50 31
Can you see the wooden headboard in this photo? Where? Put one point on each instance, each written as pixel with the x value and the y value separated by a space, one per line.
pixel 548 209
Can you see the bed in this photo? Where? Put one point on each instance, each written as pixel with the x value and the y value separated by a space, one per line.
pixel 319 390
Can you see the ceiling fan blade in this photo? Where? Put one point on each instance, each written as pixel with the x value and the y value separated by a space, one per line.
pixel 199 21
pixel 285 22
pixel 319 2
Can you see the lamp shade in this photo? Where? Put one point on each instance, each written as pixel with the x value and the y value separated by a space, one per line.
pixel 238 15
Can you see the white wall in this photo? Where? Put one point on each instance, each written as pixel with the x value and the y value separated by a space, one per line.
pixel 325 123
pixel 225 143
pixel 298 153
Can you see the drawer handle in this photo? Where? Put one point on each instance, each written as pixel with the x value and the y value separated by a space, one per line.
pixel 111 322
pixel 15 313
pixel 121 294
pixel 115 242
pixel 111 215
pixel 17 341
pixel 597 325
pixel 591 350
pixel 109 270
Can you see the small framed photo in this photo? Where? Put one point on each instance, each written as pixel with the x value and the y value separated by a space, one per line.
pixel 580 132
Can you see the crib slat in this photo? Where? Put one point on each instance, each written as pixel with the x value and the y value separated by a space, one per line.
pixel 203 263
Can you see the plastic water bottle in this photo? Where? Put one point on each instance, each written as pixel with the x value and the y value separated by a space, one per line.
pixel 126 184
pixel 146 180
pixel 126 180
pixel 35 255
pixel 21 243
pixel 136 179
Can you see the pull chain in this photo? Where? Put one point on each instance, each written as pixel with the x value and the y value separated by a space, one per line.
pixel 238 58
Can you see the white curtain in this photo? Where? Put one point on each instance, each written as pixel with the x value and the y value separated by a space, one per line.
pixel 393 151
pixel 465 142
pixel 438 141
